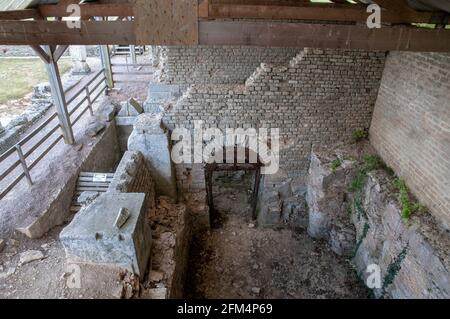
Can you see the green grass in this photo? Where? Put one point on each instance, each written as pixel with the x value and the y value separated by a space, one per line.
pixel 408 206
pixel 335 165
pixel 360 135
pixel 19 76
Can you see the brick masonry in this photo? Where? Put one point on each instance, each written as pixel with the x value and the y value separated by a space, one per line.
pixel 411 125
pixel 216 65
pixel 319 97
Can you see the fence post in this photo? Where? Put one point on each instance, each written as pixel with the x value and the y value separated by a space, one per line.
pixel 24 164
pixel 133 54
pixel 88 95
pixel 106 62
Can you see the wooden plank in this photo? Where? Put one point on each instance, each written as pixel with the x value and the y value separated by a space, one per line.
pixel 91 174
pixel 166 22
pixel 92 189
pixel 20 14
pixel 89 179
pixel 91 184
pixel 283 34
pixel 348 13
pixel 41 53
pixel 89 10
pixel 57 33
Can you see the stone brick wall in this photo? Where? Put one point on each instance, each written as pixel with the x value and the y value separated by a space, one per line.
pixel 218 65
pixel 318 98
pixel 411 125
pixel 133 176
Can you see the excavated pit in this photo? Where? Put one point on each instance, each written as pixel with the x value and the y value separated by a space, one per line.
pixel 237 259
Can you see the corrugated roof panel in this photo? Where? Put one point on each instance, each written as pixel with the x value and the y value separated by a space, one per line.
pixel 6 5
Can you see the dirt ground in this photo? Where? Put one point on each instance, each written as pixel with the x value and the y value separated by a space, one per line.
pixel 239 260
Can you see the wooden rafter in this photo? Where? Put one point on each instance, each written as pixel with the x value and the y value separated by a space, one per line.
pixel 399 13
pixel 193 22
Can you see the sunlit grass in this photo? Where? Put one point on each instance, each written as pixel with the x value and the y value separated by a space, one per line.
pixel 19 76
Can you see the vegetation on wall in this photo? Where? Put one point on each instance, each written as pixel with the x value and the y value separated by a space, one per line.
pixel 408 206
pixel 361 239
pixel 358 136
pixel 393 269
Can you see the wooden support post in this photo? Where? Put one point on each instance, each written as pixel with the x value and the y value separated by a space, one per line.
pixel 59 98
pixel 50 56
pixel 133 54
pixel 23 162
pixel 106 62
pixel 88 96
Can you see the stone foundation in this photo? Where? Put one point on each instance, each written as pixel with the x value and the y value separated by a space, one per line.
pixel 413 256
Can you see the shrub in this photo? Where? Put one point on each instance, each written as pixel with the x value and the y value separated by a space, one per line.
pixel 360 135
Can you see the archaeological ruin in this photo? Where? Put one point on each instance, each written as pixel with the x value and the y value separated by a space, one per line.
pixel 218 149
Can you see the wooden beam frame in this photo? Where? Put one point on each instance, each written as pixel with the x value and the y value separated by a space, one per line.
pixel 348 13
pixel 89 10
pixel 50 54
pixel 57 32
pixel 284 34
pixel 167 29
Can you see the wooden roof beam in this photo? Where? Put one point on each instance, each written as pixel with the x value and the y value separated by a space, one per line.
pixel 345 13
pixel 20 14
pixel 89 10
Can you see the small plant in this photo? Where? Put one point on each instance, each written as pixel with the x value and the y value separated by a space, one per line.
pixel 358 182
pixel 361 239
pixel 408 207
pixel 335 165
pixel 394 268
pixel 373 162
pixel 358 136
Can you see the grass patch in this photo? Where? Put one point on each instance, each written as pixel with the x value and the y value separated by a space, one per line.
pixel 19 76
pixel 335 165
pixel 358 136
pixel 371 163
pixel 408 206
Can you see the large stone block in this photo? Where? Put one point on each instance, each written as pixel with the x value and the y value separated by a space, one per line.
pixel 152 141
pixel 92 237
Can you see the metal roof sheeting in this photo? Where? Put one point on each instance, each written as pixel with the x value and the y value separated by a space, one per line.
pixel 6 5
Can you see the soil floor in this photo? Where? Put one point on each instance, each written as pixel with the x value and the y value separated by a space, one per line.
pixel 239 260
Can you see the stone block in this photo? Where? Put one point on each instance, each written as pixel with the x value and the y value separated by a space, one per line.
pixel 152 141
pixel 92 237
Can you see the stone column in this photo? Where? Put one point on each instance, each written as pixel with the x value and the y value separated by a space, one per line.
pixel 152 140
pixel 79 56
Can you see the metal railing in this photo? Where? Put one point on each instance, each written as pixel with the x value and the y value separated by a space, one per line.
pixel 25 155
pixel 139 72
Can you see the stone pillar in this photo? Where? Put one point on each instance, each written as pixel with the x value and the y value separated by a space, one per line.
pixel 152 140
pixel 79 56
pixel 155 55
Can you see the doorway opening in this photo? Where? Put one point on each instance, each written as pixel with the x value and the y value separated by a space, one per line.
pixel 240 175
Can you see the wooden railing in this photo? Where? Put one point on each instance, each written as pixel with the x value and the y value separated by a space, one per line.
pixel 91 91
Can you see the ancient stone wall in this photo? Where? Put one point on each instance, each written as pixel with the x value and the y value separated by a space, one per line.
pixel 411 125
pixel 319 97
pixel 367 226
pixel 133 176
pixel 218 65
